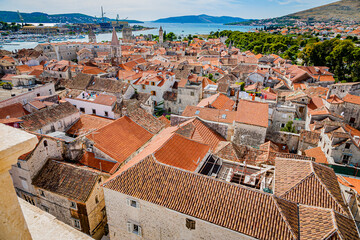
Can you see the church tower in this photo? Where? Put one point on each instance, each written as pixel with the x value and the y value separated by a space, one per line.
pixel 161 35
pixel 115 48
pixel 92 36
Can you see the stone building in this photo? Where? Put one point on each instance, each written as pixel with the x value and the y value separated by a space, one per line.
pixel 55 118
pixel 342 89
pixel 188 94
pixel 68 192
pixel 7 65
pixel 350 110
pixel 115 47
pixel 127 33
pixel 339 142
pixel 161 35
pixel 92 36
pixel 72 194
pixel 157 207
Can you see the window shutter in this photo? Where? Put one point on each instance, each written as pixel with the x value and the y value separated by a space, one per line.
pixel 129 227
pixel 128 202
pixel 139 232
pixel 137 204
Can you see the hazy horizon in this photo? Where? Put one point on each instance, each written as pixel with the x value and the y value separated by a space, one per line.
pixel 145 10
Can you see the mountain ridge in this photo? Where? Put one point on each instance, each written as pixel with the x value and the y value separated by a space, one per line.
pixel 341 10
pixel 39 17
pixel 203 18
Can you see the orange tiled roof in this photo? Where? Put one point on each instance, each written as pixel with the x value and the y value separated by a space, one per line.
pixel 253 113
pixel 320 223
pixel 318 154
pixel 181 152
pixel 210 114
pixel 196 130
pixel 87 123
pixel 103 165
pixel 15 110
pixel 352 99
pixel 120 138
pixel 308 183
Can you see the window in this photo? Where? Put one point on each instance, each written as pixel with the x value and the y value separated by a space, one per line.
pixel 38 94
pixel 77 223
pixel 153 93
pixel 223 116
pixel 192 93
pixel 134 228
pixel 103 211
pixel 346 159
pixel 50 91
pixel 133 203
pixel 73 205
pixel 41 193
pixel 190 224
pixel 94 111
pixel 197 112
pixel 352 120
pixel 284 116
pixel 143 86
pixel 347 145
pixel 152 84
pixel 82 110
pixel 106 114
pixel 96 200
pixel 282 125
pixel 18 164
pixel 99 181
pixel 45 143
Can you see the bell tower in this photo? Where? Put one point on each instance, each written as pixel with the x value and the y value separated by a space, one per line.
pixel 92 36
pixel 115 47
pixel 161 35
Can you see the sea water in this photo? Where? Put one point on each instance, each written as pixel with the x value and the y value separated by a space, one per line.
pixel 180 29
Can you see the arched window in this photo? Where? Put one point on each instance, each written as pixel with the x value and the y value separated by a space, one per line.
pixel 45 143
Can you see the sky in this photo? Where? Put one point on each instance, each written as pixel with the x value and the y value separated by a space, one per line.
pixel 147 10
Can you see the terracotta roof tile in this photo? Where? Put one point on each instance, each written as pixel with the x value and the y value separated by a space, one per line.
pixel 196 130
pixel 15 110
pixel 352 99
pixel 253 113
pixel 146 120
pixel 308 183
pixel 38 119
pixel 209 114
pixel 231 206
pixel 181 152
pixel 318 154
pixel 87 123
pixel 103 165
pixel 120 139
pixel 320 223
pixel 66 180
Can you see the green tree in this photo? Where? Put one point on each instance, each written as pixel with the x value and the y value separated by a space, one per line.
pixel 289 127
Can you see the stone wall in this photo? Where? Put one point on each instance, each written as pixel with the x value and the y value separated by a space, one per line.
pixel 249 135
pixel 290 139
pixel 45 90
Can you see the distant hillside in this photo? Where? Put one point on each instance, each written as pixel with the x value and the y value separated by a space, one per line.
pixel 341 10
pixel 38 17
pixel 200 19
